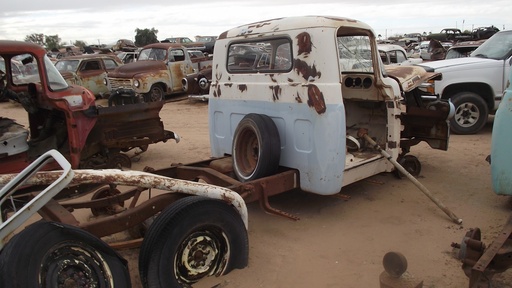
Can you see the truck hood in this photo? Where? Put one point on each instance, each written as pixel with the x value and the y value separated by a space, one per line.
pixel 455 63
pixel 410 77
pixel 131 69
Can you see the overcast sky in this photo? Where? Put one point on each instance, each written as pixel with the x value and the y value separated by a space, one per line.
pixel 104 22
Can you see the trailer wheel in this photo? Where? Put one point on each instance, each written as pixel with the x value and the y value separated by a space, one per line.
pixel 195 237
pixel 471 113
pixel 49 254
pixel 411 165
pixel 119 161
pixel 155 94
pixel 256 147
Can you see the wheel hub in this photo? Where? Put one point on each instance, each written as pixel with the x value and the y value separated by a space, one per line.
pixel 467 114
pixel 201 253
pixel 72 266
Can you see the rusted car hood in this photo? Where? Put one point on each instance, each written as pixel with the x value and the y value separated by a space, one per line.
pixel 130 69
pixel 410 77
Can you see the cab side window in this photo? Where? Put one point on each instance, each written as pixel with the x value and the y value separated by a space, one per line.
pixel 259 56
pixel 91 65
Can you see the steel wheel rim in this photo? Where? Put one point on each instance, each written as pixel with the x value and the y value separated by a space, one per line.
pixel 203 253
pixel 467 114
pixel 74 265
pixel 156 94
pixel 247 152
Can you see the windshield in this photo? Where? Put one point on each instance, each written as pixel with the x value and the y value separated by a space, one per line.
pixel 355 53
pixel 67 65
pixel 498 47
pixel 153 54
pixel 55 80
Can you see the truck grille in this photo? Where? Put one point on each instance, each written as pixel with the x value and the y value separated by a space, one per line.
pixel 116 83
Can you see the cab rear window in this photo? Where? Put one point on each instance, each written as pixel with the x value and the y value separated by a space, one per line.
pixel 272 55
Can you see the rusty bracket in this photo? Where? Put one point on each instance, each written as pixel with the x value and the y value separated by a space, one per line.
pixel 265 205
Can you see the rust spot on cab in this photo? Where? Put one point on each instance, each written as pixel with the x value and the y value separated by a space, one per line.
pixel 276 92
pixel 304 43
pixel 316 99
pixel 305 70
pixel 298 99
pixel 242 87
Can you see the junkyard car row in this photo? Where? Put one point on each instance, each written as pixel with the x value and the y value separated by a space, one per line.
pixel 285 113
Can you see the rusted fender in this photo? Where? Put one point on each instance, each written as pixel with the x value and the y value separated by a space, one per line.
pixel 143 180
pixel 410 77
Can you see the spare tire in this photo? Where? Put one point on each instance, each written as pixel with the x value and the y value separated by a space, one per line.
pixel 256 147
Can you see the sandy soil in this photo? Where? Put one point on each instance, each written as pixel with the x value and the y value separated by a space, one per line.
pixel 341 243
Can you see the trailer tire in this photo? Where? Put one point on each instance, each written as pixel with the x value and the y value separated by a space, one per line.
pixel 411 164
pixel 49 254
pixel 193 238
pixel 471 113
pixel 256 147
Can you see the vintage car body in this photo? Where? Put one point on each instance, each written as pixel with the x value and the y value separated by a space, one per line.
pixel 66 118
pixel 392 54
pixel 450 34
pixel 127 56
pixel 89 71
pixel 124 45
pixel 158 72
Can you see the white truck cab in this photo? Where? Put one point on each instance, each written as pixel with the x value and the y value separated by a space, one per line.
pixel 301 92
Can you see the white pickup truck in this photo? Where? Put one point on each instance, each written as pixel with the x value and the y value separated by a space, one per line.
pixel 475 84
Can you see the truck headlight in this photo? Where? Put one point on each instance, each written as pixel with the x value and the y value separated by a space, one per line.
pixel 136 83
pixel 428 87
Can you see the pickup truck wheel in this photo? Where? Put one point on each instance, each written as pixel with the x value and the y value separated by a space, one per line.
pixel 471 113
pixel 49 254
pixel 256 147
pixel 155 94
pixel 193 238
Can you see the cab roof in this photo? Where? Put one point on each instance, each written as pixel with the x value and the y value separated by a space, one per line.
pixel 293 23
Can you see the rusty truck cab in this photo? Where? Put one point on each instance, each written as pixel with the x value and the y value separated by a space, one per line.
pixel 55 110
pixel 321 82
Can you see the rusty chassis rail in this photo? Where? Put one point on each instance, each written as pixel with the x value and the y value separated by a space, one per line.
pixel 210 178
pixel 479 263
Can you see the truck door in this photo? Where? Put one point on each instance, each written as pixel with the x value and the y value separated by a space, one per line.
pixel 91 74
pixel 179 66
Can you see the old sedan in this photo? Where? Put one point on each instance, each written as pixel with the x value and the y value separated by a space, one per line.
pixel 391 54
pixel 89 71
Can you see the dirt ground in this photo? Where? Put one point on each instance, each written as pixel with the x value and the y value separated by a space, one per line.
pixel 341 243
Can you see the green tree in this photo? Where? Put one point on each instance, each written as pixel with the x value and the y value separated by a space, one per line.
pixel 145 36
pixel 37 38
pixel 52 42
pixel 80 44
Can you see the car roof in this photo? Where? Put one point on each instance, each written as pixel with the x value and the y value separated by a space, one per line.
pixel 164 45
pixel 91 56
pixel 390 47
pixel 293 23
